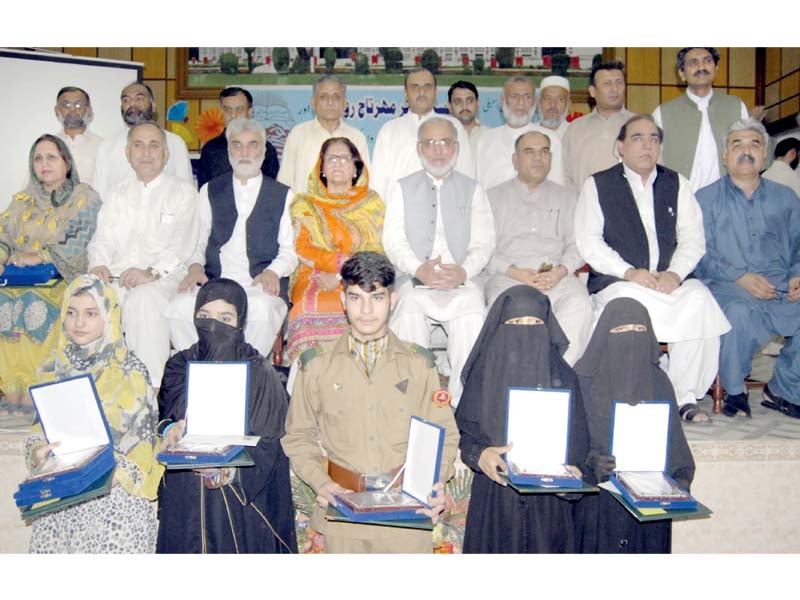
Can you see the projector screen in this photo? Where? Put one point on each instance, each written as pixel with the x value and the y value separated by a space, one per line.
pixel 31 81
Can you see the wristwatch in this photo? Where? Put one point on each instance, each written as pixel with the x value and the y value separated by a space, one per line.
pixel 153 272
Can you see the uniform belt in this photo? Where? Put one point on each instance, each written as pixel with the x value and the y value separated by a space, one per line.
pixel 350 480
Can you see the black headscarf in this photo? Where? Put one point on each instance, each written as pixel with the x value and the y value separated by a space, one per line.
pixel 219 341
pixel 232 518
pixel 624 366
pixel 511 355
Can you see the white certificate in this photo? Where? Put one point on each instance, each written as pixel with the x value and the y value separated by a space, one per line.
pixel 70 414
pixel 217 396
pixel 538 426
pixel 639 440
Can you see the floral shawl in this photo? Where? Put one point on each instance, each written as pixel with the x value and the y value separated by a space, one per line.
pixel 58 225
pixel 123 386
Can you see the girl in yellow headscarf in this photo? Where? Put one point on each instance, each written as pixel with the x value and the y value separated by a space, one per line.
pixel 91 342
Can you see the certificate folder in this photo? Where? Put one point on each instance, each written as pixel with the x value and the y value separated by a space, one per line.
pixel 537 423
pixel 99 488
pixel 217 395
pixel 336 516
pixel 421 471
pixel 238 458
pixel 585 488
pixel 645 515
pixel 71 414
pixel 640 444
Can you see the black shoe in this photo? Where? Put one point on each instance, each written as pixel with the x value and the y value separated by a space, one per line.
pixel 775 402
pixel 772 401
pixel 735 403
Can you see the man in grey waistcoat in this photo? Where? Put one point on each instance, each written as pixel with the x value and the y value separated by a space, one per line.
pixel 439 235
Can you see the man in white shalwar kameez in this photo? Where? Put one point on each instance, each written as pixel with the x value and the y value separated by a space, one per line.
pixel 495 147
pixel 639 227
pixel 395 153
pixel 146 229
pixel 438 230
pixel 301 150
pixel 245 235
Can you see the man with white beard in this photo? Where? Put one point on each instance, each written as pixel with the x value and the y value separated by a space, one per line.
pixel 554 104
pixel 245 235
pixel 74 111
pixel 438 233
pixel 493 163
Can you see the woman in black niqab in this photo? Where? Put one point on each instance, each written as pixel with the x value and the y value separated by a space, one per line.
pixel 521 344
pixel 621 362
pixel 254 512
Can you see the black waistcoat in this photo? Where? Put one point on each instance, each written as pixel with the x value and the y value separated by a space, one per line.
pixel 623 229
pixel 261 228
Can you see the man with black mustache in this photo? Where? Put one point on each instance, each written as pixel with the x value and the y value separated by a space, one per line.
pixel 464 104
pixel 137 104
pixel 693 123
pixel 752 266
pixel 639 228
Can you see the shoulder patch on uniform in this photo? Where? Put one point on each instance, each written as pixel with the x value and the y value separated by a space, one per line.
pixel 424 353
pixel 309 355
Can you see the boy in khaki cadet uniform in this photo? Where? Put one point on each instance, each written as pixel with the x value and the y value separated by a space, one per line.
pixel 355 398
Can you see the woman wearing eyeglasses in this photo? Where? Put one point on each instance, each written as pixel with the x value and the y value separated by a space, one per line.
pixel 338 217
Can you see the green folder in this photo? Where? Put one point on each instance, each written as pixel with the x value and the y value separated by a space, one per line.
pixel 538 489
pixel 242 459
pixel 100 488
pixel 643 515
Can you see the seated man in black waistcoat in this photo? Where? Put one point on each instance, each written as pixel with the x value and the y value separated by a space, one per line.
pixel 640 229
pixel 235 103
pixel 245 235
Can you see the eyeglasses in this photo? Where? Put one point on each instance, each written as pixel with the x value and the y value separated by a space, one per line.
pixel 518 97
pixel 337 158
pixel 235 110
pixel 443 143
pixel 67 105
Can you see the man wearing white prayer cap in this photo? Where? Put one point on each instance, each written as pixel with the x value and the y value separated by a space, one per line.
pixel 554 103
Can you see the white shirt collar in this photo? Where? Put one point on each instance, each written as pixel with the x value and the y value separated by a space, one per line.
pixel 701 101
pixel 438 182
pixel 253 182
pixel 154 183
pixel 635 179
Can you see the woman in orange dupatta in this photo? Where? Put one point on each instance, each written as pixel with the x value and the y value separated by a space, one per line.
pixel 337 218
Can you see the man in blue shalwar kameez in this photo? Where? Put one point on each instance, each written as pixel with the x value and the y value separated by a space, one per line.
pixel 752 266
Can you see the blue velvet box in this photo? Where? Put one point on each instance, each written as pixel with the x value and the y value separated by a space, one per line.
pixel 640 445
pixel 70 413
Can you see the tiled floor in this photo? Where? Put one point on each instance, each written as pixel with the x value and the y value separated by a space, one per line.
pixel 766 424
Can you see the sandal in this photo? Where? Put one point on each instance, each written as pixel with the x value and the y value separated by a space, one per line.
pixel 736 405
pixel 689 412
pixel 775 402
